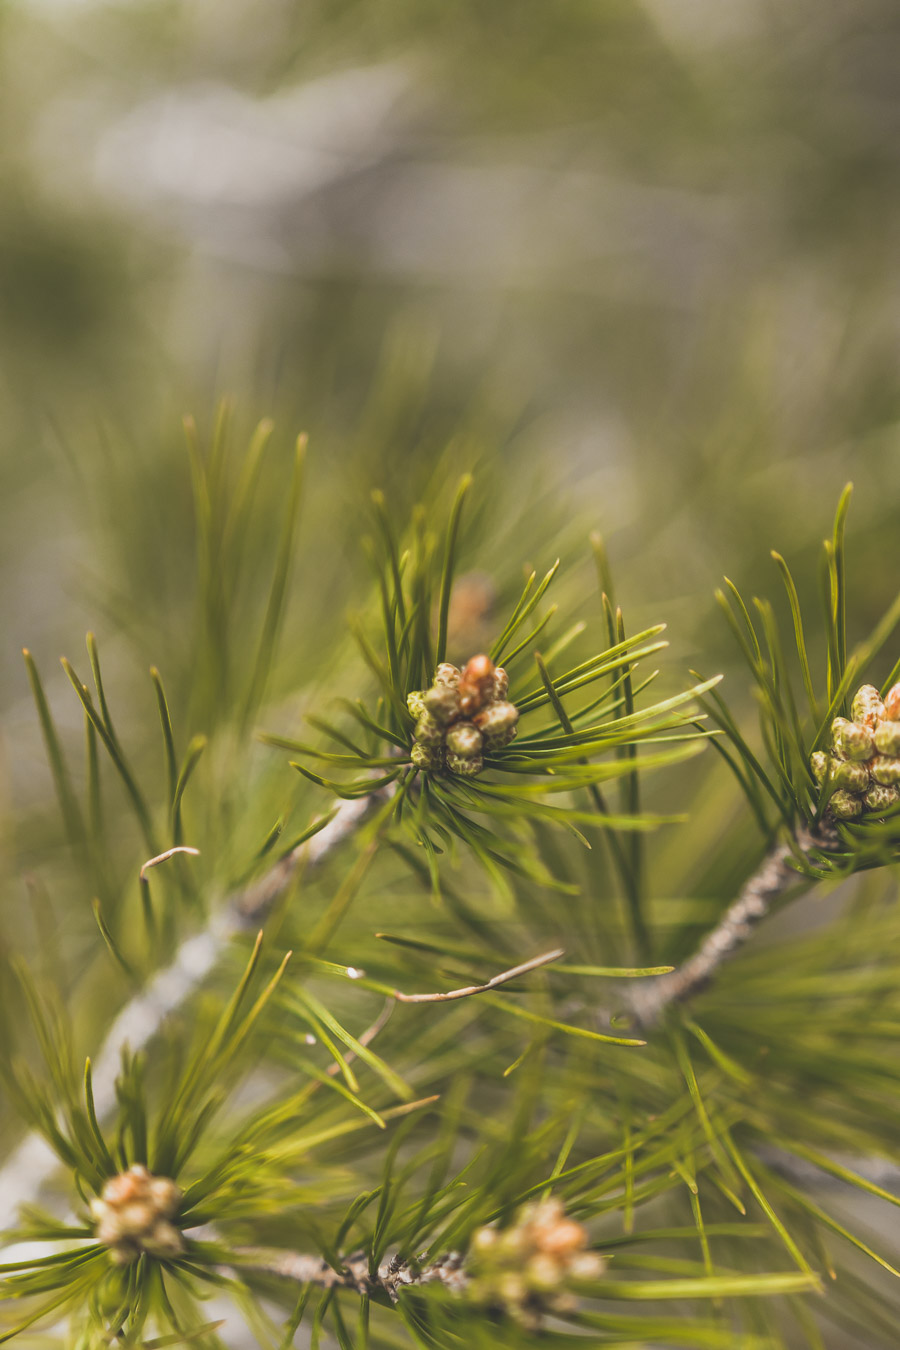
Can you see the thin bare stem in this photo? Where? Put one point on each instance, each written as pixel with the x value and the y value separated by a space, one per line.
pixel 164 857
pixel 503 978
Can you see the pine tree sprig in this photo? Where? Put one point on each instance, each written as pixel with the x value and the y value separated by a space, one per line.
pixel 415 583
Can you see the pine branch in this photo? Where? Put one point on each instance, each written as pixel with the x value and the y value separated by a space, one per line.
pixel 391 1276
pixel 768 884
pixel 33 1162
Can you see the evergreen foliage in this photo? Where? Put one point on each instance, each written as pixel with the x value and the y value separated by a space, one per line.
pixel 416 1046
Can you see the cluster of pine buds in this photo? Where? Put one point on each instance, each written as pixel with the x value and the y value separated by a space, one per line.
pixel 464 714
pixel 863 764
pixel 523 1270
pixel 133 1215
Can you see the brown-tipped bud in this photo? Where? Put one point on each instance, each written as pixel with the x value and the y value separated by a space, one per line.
pixel 541 1214
pixel 852 741
pixel 497 723
pixel 867 707
pixel 427 757
pixel 133 1216
pixel 428 731
pixel 476 685
pixel 885 770
pixel 881 798
pixel 887 738
pixel 850 775
pixel 442 703
pixel 819 762
pixel 479 670
pixel 525 1269
pixel 460 716
pixel 563 1238
pixel 892 704
pixel 127 1186
pixel 464 740
pixel 844 806
pixel 448 674
pixel 415 702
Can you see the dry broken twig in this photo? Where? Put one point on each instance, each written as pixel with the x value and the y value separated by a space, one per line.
pixel 503 978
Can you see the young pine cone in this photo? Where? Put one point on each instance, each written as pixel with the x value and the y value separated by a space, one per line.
pixel 462 715
pixel 133 1215
pixel 525 1270
pixel 863 764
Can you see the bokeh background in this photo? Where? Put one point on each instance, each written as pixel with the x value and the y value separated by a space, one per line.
pixel 650 246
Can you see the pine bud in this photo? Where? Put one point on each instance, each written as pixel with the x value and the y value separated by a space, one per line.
pixel 133 1215
pixel 415 702
pixel 497 723
pixel 428 730
pixel 476 685
pixel 542 1272
pixel 586 1266
pixel 484 1239
pixel 464 740
pixel 820 763
pixel 892 704
pixel 886 771
pixel 880 798
pixel 514 1243
pixel 427 756
pixel 524 1269
pixel 165 1241
pixel 867 707
pixel 562 1238
pixel 865 764
pixel 844 806
pixel 441 702
pixel 852 741
pixel 852 776
pixel 453 713
pixel 887 738
pixel 135 1218
pixel 512 1288
pixel 464 765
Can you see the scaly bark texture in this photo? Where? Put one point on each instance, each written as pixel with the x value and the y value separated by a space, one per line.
pixel 773 879
pixel 391 1276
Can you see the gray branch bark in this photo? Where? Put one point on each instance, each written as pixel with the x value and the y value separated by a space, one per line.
pixel 772 880
pixel 392 1275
